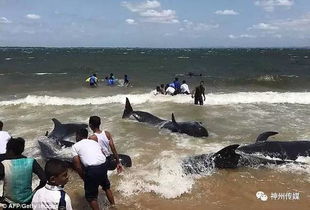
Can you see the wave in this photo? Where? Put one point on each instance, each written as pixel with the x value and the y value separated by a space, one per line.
pixel 211 99
pixel 159 176
pixel 48 73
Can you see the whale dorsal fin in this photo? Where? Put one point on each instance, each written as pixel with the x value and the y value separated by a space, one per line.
pixel 128 109
pixel 227 157
pixel 264 136
pixel 57 124
pixel 227 150
pixel 175 124
pixel 173 120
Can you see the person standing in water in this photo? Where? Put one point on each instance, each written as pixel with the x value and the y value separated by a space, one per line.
pixel 199 93
pixel 126 81
pixel 111 79
pixel 93 81
pixel 90 163
pixel 104 138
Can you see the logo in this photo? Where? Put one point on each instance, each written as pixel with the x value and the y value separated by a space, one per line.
pixel 261 195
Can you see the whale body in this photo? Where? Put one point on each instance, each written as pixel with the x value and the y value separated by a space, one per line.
pixel 285 150
pixel 191 128
pixel 58 145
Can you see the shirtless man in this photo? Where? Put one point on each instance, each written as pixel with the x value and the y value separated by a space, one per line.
pixel 199 93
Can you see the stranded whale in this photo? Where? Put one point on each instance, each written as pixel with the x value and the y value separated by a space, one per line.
pixel 234 156
pixel 58 144
pixel 190 128
pixel 285 150
pixel 226 158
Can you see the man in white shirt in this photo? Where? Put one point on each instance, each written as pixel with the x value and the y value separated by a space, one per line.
pixel 185 88
pixel 170 90
pixel 88 154
pixel 4 138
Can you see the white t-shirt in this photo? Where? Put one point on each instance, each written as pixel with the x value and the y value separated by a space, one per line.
pixel 48 197
pixel 89 152
pixel 170 90
pixel 4 138
pixel 184 88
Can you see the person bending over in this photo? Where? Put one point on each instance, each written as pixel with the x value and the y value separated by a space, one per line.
pixel 90 163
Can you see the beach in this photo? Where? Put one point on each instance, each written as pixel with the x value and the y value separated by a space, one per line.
pixel 248 91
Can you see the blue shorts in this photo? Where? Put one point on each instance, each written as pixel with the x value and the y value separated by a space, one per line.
pixel 95 176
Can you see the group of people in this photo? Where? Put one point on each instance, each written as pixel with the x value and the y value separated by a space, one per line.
pixel 91 156
pixel 110 80
pixel 173 88
pixel 176 87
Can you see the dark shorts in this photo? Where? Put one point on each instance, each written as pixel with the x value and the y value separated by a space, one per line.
pixel 95 176
pixel 199 100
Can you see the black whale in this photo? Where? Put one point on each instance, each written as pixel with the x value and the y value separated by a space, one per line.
pixel 190 128
pixel 58 144
pixel 285 150
pixel 226 158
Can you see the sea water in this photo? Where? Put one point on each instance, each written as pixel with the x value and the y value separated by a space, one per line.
pixel 248 91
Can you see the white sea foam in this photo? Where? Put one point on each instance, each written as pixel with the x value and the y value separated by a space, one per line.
pixel 163 176
pixel 299 167
pixel 47 73
pixel 211 99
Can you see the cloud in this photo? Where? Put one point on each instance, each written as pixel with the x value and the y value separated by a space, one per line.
pixel 270 5
pixel 138 7
pixel 301 24
pixel 226 12
pixel 150 11
pixel 264 26
pixel 279 36
pixel 247 36
pixel 191 26
pixel 297 28
pixel 131 21
pixel 33 16
pixel 4 20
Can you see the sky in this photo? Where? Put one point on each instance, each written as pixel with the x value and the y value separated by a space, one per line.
pixel 155 23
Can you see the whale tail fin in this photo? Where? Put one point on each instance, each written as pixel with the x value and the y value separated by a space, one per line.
pixel 227 157
pixel 128 109
pixel 264 136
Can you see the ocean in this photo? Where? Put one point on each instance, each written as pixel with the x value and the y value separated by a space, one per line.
pixel 248 91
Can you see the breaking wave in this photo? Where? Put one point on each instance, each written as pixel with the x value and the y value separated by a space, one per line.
pixel 211 99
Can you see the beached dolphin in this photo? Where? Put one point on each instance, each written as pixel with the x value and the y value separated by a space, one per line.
pixel 190 128
pixel 285 150
pixel 54 145
pixel 226 158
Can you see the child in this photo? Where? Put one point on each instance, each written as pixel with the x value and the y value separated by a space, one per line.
pixel 52 196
